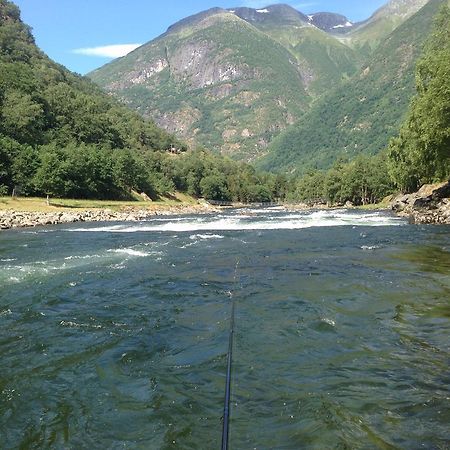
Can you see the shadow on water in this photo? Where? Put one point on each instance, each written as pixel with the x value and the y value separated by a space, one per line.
pixel 428 258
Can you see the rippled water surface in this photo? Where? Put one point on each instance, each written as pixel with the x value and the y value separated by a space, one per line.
pixel 115 335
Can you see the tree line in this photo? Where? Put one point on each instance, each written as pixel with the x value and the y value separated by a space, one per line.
pixel 420 153
pixel 61 136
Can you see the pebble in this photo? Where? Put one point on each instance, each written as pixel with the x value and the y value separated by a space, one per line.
pixel 18 219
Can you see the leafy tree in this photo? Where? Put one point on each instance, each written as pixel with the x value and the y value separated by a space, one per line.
pixel 22 117
pixel 51 176
pixel 24 166
pixel 421 151
pixel 214 187
pixel 5 171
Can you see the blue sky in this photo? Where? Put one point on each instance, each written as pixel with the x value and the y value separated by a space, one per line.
pixel 63 27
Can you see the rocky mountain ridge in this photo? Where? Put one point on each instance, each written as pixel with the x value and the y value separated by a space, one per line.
pixel 364 112
pixel 233 79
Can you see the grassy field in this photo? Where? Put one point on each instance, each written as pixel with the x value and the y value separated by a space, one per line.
pixel 59 204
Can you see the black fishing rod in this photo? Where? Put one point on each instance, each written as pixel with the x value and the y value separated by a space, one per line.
pixel 227 400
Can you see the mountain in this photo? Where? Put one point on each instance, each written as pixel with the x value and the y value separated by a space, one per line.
pixel 321 58
pixel 233 79
pixel 61 136
pixel 59 133
pixel 371 32
pixel 331 22
pixel 43 102
pixel 230 80
pixel 362 114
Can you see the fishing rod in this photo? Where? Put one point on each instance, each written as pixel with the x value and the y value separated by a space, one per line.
pixel 227 400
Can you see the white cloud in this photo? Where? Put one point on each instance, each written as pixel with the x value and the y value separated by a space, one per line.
pixel 107 51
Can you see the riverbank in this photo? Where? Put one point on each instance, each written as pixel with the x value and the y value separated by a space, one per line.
pixel 32 212
pixel 430 205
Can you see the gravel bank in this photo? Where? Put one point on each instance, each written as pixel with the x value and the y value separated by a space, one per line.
pixel 16 219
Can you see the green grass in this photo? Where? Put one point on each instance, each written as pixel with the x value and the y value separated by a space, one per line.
pixel 37 204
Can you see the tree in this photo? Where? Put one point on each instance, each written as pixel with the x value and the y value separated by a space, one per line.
pixel 22 118
pixel 51 176
pixel 421 152
pixel 214 187
pixel 24 166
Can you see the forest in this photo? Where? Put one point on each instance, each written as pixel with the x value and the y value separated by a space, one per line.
pixel 61 136
pixel 420 154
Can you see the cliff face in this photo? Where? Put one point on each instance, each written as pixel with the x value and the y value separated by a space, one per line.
pixel 215 80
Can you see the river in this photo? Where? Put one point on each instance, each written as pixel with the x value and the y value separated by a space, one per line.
pixel 115 335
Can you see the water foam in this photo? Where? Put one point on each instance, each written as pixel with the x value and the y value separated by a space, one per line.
pixel 205 236
pixel 17 273
pixel 129 252
pixel 267 221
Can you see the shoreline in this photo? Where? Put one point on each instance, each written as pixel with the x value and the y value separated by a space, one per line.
pixel 430 205
pixel 29 218
pixel 11 218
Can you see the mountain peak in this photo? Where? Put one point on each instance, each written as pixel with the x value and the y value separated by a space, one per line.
pixel 279 13
pixel 194 19
pixel 330 22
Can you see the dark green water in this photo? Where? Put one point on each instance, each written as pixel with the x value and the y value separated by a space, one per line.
pixel 115 336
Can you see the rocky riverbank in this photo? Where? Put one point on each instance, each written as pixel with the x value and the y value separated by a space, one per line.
pixel 15 219
pixel 431 204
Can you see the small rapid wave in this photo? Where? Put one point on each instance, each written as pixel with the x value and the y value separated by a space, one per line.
pixel 205 236
pixel 130 252
pixel 269 220
pixel 113 258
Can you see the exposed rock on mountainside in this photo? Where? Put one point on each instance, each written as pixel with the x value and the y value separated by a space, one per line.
pixel 230 80
pixel 233 79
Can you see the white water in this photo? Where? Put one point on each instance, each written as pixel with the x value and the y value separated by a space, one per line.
pixel 200 228
pixel 115 257
pixel 254 220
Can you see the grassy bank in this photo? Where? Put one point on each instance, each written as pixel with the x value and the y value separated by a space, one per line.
pixel 59 204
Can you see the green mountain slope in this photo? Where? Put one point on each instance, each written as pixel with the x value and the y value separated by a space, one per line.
pixel 365 112
pixel 230 80
pixel 59 133
pixel 42 102
pixel 61 136
pixel 322 60
pixel 369 34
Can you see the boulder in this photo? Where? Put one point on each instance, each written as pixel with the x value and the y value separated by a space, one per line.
pixel 431 204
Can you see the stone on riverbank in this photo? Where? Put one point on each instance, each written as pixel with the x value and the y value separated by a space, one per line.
pixel 431 204
pixel 13 219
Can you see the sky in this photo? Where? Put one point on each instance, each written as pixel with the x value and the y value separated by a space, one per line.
pixel 86 34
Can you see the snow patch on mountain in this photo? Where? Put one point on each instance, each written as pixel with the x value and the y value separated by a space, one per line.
pixel 345 25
